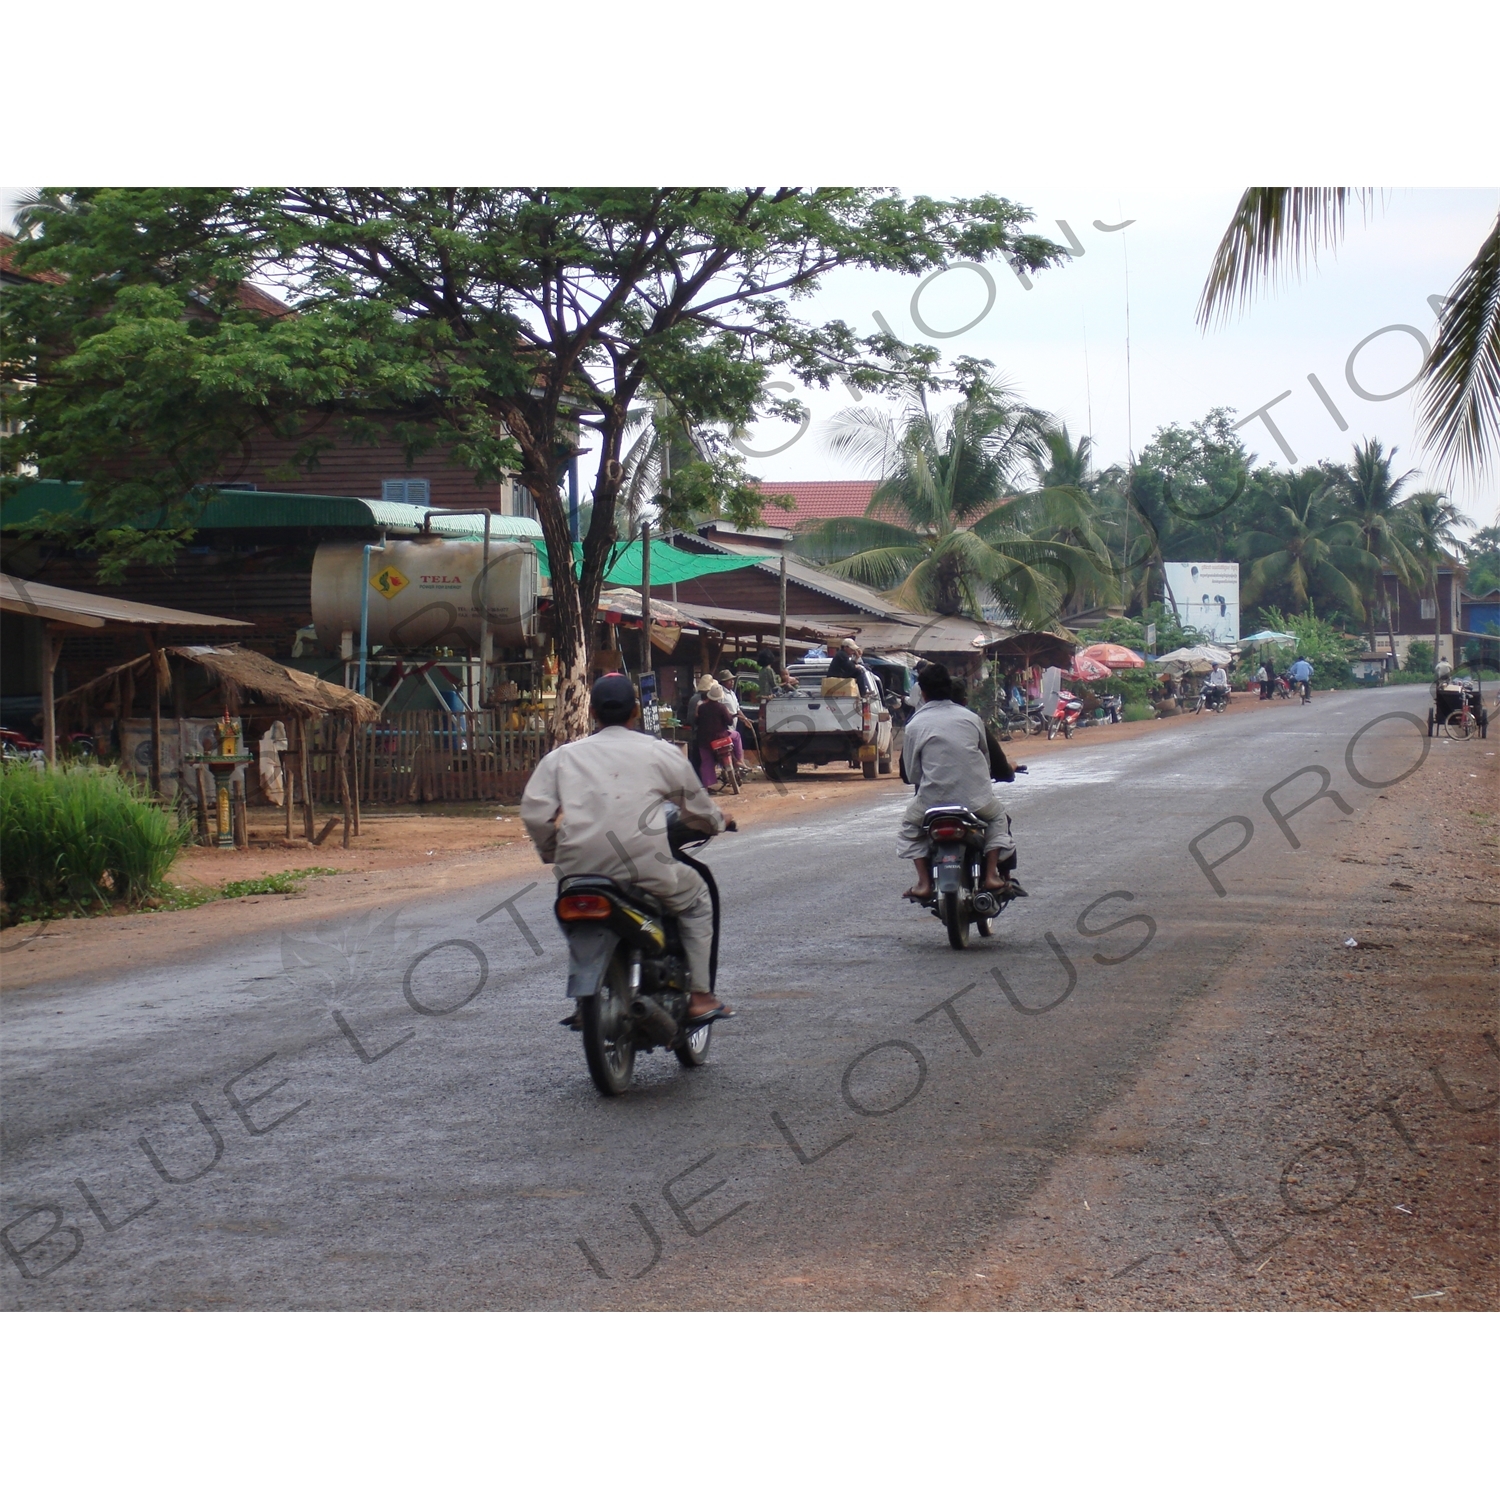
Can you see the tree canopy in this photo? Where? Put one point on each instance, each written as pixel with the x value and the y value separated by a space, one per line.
pixel 515 326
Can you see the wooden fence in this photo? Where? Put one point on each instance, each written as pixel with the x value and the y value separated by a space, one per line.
pixel 431 757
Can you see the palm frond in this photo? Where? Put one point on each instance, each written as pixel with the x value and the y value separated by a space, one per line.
pixel 1271 226
pixel 879 567
pixel 842 536
pixel 1461 402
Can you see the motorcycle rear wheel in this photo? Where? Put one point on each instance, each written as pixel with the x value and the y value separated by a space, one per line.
pixel 693 1053
pixel 608 1046
pixel 984 926
pixel 954 920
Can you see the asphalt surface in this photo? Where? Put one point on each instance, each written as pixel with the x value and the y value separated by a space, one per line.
pixel 434 1141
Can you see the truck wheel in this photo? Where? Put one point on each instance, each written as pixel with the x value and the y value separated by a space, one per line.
pixel 869 768
pixel 884 764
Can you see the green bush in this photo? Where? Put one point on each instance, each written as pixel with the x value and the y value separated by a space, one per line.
pixel 1135 712
pixel 82 837
pixel 1419 658
pixel 1133 684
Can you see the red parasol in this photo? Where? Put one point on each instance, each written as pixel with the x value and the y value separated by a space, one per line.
pixel 1112 655
pixel 1088 669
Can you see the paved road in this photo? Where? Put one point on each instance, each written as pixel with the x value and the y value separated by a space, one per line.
pixel 387 1115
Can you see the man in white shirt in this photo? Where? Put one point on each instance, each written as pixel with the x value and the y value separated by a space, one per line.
pixel 596 807
pixel 736 715
pixel 946 758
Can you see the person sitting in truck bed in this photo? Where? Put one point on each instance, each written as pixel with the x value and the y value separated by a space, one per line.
pixel 845 661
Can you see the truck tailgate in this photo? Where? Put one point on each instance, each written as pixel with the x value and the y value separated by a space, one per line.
pixel 805 714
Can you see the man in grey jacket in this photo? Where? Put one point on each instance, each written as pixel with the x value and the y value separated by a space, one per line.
pixel 946 758
pixel 597 807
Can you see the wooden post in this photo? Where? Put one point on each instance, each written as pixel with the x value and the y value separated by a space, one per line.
pixel 357 740
pixel 205 837
pixel 51 650
pixel 304 758
pixel 288 787
pixel 155 671
pixel 645 597
pixel 345 738
pixel 240 814
pixel 783 611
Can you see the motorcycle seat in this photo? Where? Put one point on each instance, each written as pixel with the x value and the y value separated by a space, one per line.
pixel 953 814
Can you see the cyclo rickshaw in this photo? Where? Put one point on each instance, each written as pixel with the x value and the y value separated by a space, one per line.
pixel 1458 709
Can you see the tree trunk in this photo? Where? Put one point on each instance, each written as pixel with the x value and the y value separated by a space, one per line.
pixel 575 600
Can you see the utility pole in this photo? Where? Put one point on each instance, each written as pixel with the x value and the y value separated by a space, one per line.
pixel 783 608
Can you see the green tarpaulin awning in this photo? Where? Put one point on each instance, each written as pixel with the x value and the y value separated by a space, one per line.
pixel 668 564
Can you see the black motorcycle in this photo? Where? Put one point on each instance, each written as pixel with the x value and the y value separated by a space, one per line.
pixel 627 969
pixel 958 898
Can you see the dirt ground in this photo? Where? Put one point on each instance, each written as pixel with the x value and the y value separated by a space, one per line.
pixel 1320 1132
pixel 410 852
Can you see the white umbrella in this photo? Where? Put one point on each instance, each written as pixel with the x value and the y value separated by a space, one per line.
pixel 1196 657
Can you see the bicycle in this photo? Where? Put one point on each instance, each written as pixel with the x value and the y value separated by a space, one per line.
pixel 1462 723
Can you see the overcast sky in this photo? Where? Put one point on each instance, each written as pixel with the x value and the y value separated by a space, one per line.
pixel 1062 342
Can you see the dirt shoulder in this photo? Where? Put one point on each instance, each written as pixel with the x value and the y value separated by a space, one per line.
pixel 411 854
pixel 1320 1130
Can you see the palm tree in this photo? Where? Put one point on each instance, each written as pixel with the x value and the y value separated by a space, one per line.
pixel 1310 554
pixel 1426 522
pixel 946 529
pixel 1064 462
pixel 1461 399
pixel 1369 495
pixel 1064 467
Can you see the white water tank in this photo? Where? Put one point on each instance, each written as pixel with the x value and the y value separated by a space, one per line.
pixel 427 592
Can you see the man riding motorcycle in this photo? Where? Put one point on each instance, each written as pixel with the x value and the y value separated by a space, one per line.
pixel 594 807
pixel 1217 686
pixel 947 760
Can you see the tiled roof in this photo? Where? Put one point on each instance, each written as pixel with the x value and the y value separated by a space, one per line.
pixel 817 500
pixel 8 266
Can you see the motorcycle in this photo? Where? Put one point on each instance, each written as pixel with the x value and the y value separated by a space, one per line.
pixel 628 970
pixel 730 775
pixel 15 746
pixel 1064 717
pixel 1215 699
pixel 958 898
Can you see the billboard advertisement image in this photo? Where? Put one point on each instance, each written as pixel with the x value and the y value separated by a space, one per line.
pixel 1206 596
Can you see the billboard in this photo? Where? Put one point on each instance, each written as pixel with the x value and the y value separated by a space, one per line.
pixel 1206 596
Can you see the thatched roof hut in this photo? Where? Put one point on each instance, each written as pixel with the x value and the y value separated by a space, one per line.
pixel 296 694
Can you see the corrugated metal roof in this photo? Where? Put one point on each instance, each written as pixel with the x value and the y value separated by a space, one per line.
pixel 247 510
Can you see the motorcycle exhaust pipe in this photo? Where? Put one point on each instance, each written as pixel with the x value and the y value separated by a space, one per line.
pixel 656 1022
pixel 985 904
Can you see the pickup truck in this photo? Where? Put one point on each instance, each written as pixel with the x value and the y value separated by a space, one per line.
pixel 799 726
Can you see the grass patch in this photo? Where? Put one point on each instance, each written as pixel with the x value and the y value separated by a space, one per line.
pixel 1134 713
pixel 79 839
pixel 286 883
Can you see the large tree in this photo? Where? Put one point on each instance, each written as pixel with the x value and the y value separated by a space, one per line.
pixel 494 321
pixel 1368 493
pixel 1307 557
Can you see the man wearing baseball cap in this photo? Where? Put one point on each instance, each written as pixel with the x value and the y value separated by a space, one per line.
pixel 596 807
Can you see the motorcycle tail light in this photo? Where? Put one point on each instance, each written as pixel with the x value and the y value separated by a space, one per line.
pixel 583 908
pixel 943 831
